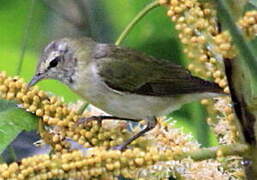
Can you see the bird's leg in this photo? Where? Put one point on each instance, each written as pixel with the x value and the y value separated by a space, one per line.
pixel 99 119
pixel 150 125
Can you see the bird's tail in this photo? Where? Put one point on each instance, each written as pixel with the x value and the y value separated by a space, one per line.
pixel 208 86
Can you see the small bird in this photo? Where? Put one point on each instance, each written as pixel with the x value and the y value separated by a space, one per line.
pixel 123 82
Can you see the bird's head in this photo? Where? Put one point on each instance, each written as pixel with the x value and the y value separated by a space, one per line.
pixel 58 62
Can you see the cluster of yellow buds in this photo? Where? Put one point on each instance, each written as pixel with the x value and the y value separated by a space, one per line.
pixel 204 44
pixel 62 119
pixel 96 164
pixel 223 45
pixel 55 113
pixel 207 47
pixel 249 23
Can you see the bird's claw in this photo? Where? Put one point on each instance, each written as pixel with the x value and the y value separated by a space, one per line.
pixel 120 147
pixel 90 119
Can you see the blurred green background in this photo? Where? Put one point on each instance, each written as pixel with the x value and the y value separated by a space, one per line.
pixel 31 24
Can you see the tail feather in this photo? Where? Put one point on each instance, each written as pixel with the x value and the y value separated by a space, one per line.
pixel 208 86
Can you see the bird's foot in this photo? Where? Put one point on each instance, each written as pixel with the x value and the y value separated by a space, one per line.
pixel 150 125
pixel 120 147
pixel 85 120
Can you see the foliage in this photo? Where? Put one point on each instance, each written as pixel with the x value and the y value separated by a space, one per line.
pixel 13 120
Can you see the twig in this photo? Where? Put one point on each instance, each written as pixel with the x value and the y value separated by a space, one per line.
pixel 211 153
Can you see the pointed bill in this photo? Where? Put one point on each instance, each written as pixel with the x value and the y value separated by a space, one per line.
pixel 35 80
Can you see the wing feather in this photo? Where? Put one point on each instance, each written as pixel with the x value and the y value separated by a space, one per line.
pixel 130 71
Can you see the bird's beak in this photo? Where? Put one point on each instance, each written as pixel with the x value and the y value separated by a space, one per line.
pixel 35 80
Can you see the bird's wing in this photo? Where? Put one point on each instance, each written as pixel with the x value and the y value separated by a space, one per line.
pixel 130 71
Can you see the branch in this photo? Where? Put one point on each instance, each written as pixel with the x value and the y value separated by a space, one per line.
pixel 213 152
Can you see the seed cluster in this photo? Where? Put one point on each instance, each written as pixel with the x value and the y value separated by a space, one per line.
pixel 97 164
pixel 174 139
pixel 199 32
pixel 59 117
pixel 207 47
pixel 61 120
pixel 249 24
pixel 156 160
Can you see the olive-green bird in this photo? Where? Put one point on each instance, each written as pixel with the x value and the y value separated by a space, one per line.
pixel 125 83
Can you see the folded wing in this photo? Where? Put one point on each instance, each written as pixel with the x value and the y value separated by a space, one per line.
pixel 130 71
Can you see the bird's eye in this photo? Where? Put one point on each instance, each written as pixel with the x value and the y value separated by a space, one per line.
pixel 54 62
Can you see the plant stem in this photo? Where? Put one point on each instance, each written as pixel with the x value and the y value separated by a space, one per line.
pixel 25 38
pixel 208 153
pixel 136 19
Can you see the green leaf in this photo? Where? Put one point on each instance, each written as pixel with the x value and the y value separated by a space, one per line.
pixel 13 121
pixel 4 105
